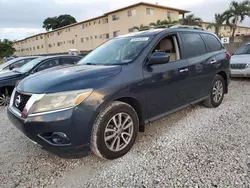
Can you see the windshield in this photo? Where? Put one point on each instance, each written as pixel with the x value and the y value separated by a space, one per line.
pixel 30 65
pixel 243 50
pixel 9 62
pixel 116 51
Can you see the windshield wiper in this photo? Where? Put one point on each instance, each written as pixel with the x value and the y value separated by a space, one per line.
pixel 90 63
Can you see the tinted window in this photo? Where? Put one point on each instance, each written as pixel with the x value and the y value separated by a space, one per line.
pixel 69 60
pixel 193 45
pixel 212 42
pixel 48 64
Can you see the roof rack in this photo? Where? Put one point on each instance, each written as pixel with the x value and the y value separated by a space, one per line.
pixel 187 27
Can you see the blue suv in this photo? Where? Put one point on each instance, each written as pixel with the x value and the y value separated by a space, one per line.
pixel 103 102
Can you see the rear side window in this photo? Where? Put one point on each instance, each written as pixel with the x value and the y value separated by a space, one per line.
pixel 212 42
pixel 193 45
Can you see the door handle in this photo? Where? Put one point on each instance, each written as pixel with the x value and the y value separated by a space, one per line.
pixel 213 62
pixel 183 70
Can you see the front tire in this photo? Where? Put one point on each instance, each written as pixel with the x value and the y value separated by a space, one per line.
pixel 114 131
pixel 4 97
pixel 216 93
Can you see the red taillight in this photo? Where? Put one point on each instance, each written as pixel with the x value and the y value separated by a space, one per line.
pixel 228 55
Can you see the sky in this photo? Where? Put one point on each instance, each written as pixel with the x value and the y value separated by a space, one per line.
pixel 22 18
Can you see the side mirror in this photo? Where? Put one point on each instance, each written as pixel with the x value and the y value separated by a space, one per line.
pixel 159 58
pixel 11 67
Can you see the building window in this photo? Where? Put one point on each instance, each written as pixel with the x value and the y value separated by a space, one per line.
pixel 47 36
pixel 41 37
pixel 82 40
pixel 115 17
pixel 50 45
pixel 73 41
pixel 30 48
pixel 58 33
pixel 82 26
pixel 130 30
pixel 42 46
pixel 150 11
pixel 132 13
pixel 59 44
pixel 36 38
pixel 106 36
pixel 95 37
pixel 99 21
pixel 91 37
pixel 89 23
pixel 116 33
pixel 169 15
pixel 38 47
pixel 87 38
pixel 100 36
pixel 94 22
pixel 105 20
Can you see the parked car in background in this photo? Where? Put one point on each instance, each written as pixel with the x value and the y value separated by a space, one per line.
pixel 9 58
pixel 119 87
pixel 16 63
pixel 8 80
pixel 240 62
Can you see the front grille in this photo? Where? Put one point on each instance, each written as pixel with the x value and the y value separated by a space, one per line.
pixel 238 66
pixel 20 100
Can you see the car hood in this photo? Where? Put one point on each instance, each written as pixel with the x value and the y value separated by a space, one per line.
pixel 240 59
pixel 8 75
pixel 67 78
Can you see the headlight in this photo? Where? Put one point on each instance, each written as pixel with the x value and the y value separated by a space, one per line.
pixel 57 101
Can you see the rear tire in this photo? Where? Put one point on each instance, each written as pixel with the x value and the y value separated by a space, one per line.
pixel 216 93
pixel 114 131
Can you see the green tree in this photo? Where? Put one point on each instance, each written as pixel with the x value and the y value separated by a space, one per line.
pixel 141 27
pixel 237 13
pixel 191 19
pixel 219 20
pixel 52 23
pixel 6 48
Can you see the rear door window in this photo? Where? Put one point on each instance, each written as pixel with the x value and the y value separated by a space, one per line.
pixel 212 42
pixel 193 45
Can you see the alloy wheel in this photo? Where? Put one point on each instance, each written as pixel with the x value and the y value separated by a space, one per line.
pixel 4 100
pixel 118 132
pixel 217 91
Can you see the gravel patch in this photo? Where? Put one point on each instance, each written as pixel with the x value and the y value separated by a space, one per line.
pixel 196 147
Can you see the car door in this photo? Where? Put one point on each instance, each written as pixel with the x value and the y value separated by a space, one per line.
pixel 200 60
pixel 47 64
pixel 166 84
pixel 69 60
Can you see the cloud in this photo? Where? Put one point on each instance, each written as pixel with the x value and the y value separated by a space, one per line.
pixel 25 17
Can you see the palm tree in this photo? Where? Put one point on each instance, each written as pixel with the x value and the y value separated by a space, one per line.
pixel 165 22
pixel 191 19
pixel 169 22
pixel 141 27
pixel 237 13
pixel 219 20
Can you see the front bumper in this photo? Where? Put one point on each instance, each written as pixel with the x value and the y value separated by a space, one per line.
pixel 75 123
pixel 240 72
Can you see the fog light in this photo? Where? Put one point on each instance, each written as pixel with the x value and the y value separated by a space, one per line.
pixel 59 138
